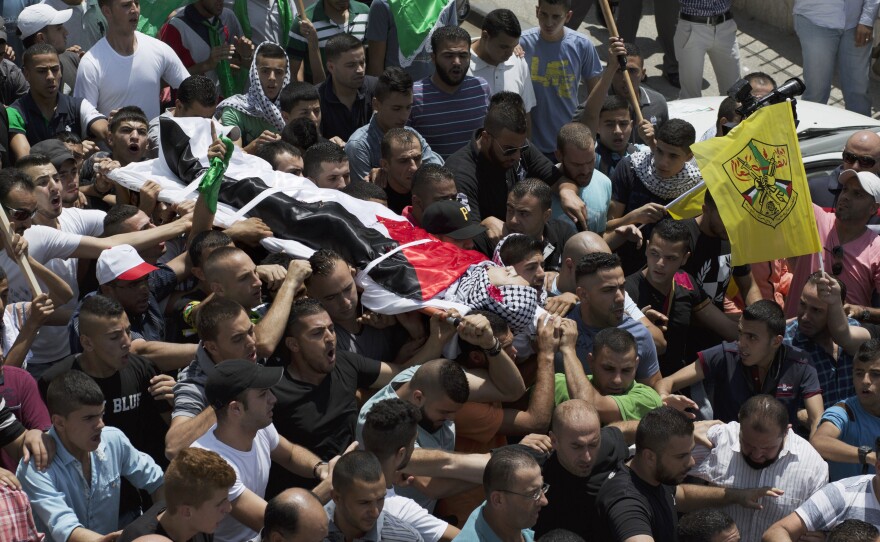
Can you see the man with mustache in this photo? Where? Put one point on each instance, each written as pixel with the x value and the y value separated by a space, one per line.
pixel 762 449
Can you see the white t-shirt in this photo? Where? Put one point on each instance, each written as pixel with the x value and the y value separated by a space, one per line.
pixel 52 342
pixel 409 511
pixel 110 81
pixel 251 472
pixel 511 75
pixel 44 244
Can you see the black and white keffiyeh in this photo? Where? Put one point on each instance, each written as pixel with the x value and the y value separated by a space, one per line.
pixel 255 103
pixel 516 304
pixel 666 188
pixel 496 258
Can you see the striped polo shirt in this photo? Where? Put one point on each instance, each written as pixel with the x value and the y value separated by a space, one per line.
pixel 298 46
pixel 448 121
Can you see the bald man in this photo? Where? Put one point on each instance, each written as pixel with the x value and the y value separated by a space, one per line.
pixel 581 455
pixel 861 153
pixel 294 515
pixel 562 291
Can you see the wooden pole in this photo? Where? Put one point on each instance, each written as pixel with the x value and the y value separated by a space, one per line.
pixel 612 29
pixel 301 7
pixel 23 262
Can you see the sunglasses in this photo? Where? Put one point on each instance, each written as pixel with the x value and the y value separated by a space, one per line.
pixel 20 214
pixel 837 266
pixel 864 161
pixel 510 151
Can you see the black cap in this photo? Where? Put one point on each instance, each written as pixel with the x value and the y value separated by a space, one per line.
pixel 452 219
pixel 55 149
pixel 230 378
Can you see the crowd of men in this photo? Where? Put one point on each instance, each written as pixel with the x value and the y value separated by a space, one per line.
pixel 167 379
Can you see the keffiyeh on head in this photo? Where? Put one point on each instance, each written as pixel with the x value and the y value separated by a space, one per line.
pixel 255 103
pixel 516 304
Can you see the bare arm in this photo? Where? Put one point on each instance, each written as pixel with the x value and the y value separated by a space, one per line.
pixel 184 431
pixel 689 497
pixel 295 458
pixel 711 317
pixel 91 247
pixel 443 464
pixel 503 381
pixel 536 418
pixel 593 105
pixel 788 529
pixel 748 288
pixel 250 509
pixel 270 330
pixel 59 291
pixel 826 441
pixel 684 377
pixel 850 338
pixel 166 356
pixel 375 57
pixel 815 407
pixel 20 147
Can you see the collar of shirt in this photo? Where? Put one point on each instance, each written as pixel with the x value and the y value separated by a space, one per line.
pixel 64 456
pixel 330 94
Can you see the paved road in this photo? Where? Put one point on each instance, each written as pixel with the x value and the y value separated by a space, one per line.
pixel 762 47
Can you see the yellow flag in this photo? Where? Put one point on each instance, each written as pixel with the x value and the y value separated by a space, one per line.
pixel 756 177
pixel 689 204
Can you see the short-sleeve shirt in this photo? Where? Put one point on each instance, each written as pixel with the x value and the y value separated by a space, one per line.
pixel 629 506
pixel 791 379
pixel 857 427
pixel 648 364
pixel 251 472
pixel 596 196
pixel 512 75
pixel 22 397
pixel 250 127
pixel 320 418
pixel 448 121
pixel 835 375
pixel 638 400
pixel 678 304
pixel 557 68
pixel 71 114
pixel 339 120
pixel 356 25
pixel 850 498
pixel 364 148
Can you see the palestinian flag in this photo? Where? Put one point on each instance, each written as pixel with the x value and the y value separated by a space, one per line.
pixel 401 267
pixel 415 21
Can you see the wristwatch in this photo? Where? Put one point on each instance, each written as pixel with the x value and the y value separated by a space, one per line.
pixel 865 315
pixel 495 350
pixel 863 457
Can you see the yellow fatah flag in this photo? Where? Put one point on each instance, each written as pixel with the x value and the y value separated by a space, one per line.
pixel 689 204
pixel 756 177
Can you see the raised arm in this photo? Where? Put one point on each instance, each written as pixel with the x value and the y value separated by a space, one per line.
pixel 503 381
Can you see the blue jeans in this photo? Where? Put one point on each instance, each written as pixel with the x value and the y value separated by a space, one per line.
pixel 825 48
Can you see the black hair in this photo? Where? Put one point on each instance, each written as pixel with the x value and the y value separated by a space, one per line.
pixel 321 153
pixel 66 136
pixel 503 467
pixel 501 20
pixel 101 306
pixel 340 44
pixel 678 133
pixel 272 150
pixel 363 190
pixel 615 103
pixel 619 341
pixel 399 136
pixel 295 92
pixel 763 413
pixel 427 175
pixel 449 34
pixel 594 262
pixel 356 466
pixel 71 391
pixel 560 535
pixel 869 351
pixel 853 530
pixel 752 76
pixel 505 116
pixel 517 247
pixel 31 160
pixel 632 49
pixel 301 133
pixel 12 178
pixel 658 426
pixel 36 50
pixel 389 426
pixel 323 262
pixel 129 113
pixel 575 134
pixel 302 307
pixel 816 275
pixel 702 525
pixel 204 240
pixel 507 97
pixel 271 50
pixel 445 376
pixel 197 89
pixel 727 109
pixel 565 3
pixel 673 231
pixel 214 312
pixel 115 216
pixel 534 187
pixel 768 312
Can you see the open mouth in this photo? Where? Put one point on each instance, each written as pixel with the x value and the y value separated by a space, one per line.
pixel 331 355
pixel 55 200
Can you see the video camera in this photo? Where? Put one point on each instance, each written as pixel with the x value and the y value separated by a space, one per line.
pixel 741 91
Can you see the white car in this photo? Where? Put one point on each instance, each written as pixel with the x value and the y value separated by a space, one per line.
pixel 822 129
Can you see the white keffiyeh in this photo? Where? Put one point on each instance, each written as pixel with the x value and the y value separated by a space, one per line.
pixel 255 103
pixel 667 188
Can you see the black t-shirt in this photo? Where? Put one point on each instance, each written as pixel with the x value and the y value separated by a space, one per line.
pixel 320 418
pixel 397 201
pixel 149 524
pixel 556 233
pixel 575 509
pixel 628 506
pixel 486 186
pixel 686 297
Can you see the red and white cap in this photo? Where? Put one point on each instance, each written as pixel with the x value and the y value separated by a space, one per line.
pixel 123 263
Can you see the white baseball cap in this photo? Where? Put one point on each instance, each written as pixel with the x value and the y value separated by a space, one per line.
pixel 34 18
pixel 121 262
pixel 869 181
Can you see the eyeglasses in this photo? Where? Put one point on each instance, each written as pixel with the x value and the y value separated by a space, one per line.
pixel 535 496
pixel 20 214
pixel 510 151
pixel 837 266
pixel 864 161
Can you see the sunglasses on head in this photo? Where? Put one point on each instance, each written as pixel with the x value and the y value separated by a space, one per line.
pixel 20 214
pixel 864 161
pixel 837 266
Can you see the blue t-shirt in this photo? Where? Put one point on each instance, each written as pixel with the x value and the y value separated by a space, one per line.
pixel 860 429
pixel 596 197
pixel 648 364
pixel 557 69
pixel 476 529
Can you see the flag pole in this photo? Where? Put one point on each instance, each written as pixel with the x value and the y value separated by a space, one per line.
pixel 23 262
pixel 821 261
pixel 612 29
pixel 300 6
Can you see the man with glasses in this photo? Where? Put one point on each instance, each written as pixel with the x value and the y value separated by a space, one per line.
pixel 515 494
pixel 495 160
pixel 861 153
pixel 851 250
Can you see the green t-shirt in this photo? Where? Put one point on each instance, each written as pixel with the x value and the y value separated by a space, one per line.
pixel 638 400
pixel 251 127
pixel 16 121
pixel 298 46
